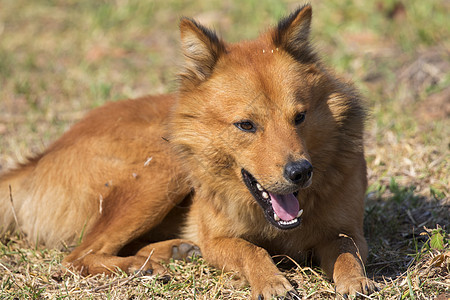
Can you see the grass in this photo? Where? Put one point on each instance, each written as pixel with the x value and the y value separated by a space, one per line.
pixel 58 59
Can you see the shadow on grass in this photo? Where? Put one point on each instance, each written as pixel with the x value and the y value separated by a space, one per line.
pixel 397 223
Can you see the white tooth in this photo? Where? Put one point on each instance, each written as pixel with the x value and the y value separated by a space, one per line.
pixel 293 221
pixel 276 217
pixel 300 212
pixel 259 187
pixel 265 195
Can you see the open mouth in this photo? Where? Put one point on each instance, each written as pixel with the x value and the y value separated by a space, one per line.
pixel 282 211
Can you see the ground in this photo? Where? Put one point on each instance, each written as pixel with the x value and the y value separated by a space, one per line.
pixel 59 59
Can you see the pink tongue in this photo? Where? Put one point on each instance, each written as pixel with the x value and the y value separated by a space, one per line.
pixel 285 206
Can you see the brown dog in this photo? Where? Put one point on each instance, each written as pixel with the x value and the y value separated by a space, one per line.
pixel 259 153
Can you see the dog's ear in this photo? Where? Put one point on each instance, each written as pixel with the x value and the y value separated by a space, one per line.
pixel 201 48
pixel 292 33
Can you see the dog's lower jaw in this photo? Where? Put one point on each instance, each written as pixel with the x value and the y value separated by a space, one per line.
pixel 266 200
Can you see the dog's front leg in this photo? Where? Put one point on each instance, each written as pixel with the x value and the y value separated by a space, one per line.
pixel 343 260
pixel 251 261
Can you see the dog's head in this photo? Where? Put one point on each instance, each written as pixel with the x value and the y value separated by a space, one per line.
pixel 262 119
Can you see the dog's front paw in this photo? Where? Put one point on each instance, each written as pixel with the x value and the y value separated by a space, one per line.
pixel 346 286
pixel 185 251
pixel 274 286
pixel 144 266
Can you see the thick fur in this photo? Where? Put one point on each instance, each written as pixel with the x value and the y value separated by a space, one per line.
pixel 166 170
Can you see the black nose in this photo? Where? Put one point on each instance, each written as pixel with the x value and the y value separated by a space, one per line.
pixel 298 172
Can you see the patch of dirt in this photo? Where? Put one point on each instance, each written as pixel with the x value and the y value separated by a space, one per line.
pixel 434 107
pixel 425 71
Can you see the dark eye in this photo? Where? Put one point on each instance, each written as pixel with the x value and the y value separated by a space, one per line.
pixel 299 118
pixel 246 126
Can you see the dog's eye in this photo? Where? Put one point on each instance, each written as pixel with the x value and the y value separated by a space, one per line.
pixel 300 117
pixel 246 126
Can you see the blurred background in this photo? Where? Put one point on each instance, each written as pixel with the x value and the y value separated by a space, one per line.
pixel 61 58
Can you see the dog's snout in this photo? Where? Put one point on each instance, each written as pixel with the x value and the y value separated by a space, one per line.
pixel 298 172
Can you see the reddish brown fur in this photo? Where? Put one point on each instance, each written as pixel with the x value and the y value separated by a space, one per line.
pixel 98 175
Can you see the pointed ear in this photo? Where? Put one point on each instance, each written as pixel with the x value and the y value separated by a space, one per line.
pixel 201 48
pixel 292 33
